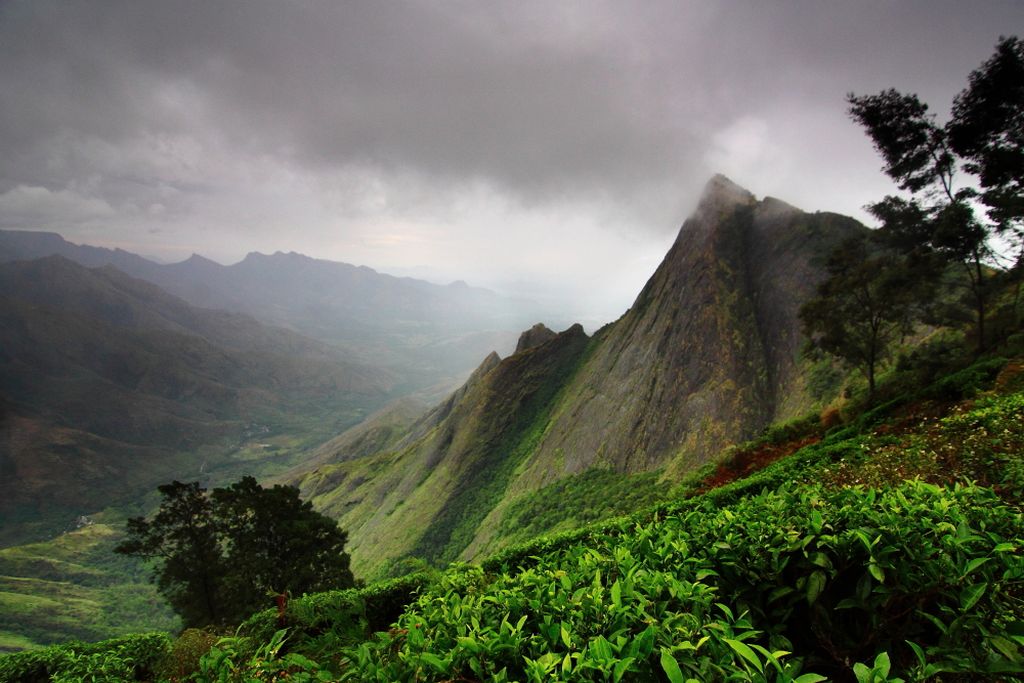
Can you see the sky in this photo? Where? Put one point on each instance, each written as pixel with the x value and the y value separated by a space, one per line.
pixel 550 149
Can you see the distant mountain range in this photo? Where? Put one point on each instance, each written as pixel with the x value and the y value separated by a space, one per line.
pixel 708 355
pixel 425 333
pixel 110 386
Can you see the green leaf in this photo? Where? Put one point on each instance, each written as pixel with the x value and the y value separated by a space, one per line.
pixel 975 563
pixel 1006 647
pixel 469 644
pixel 434 661
pixel 863 673
pixel 882 665
pixel 970 595
pixel 601 648
pixel 876 572
pixel 617 593
pixel 918 652
pixel 744 651
pixel 816 522
pixel 645 642
pixel 620 669
pixel 565 637
pixel 809 678
pixel 815 585
pixel 671 667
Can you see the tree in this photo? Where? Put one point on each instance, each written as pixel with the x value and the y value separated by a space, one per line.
pixel 864 305
pixel 280 541
pixel 987 129
pixel 939 219
pixel 183 537
pixel 219 554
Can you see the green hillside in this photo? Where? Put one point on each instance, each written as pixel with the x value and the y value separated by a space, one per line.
pixel 708 356
pixel 75 588
pixel 110 386
pixel 887 548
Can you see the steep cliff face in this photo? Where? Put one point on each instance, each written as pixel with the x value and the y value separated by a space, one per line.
pixel 427 495
pixel 707 356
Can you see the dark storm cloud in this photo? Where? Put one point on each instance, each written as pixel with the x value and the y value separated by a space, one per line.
pixel 543 98
pixel 266 120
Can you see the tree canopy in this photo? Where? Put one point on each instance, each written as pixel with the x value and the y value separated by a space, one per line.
pixel 864 305
pixel 220 554
pixel 984 138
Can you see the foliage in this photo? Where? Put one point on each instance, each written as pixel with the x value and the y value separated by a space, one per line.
pixel 225 662
pixel 279 543
pixel 74 587
pixel 715 593
pixel 983 137
pixel 987 130
pixel 862 308
pixel 183 655
pixel 130 658
pixel 320 623
pixel 220 554
pixel 184 537
pixel 579 500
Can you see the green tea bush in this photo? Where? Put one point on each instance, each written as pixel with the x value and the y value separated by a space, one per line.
pixel 717 593
pixel 232 659
pixel 182 658
pixel 320 624
pixel 967 382
pixel 129 658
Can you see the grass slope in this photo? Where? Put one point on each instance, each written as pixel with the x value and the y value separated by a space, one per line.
pixel 796 572
pixel 75 588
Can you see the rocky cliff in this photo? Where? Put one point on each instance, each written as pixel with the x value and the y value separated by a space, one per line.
pixel 708 355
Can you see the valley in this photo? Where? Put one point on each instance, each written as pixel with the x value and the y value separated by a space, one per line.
pixel 419 342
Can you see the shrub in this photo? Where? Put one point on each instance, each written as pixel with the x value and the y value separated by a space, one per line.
pixel 128 658
pixel 718 592
pixel 182 658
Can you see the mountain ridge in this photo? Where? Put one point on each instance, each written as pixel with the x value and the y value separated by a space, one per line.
pixel 111 386
pixel 428 333
pixel 707 356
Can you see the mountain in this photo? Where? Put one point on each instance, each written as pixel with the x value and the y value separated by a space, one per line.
pixel 109 386
pixel 426 333
pixel 708 355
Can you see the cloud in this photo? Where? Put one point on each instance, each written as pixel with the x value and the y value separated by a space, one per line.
pixel 320 126
pixel 39 208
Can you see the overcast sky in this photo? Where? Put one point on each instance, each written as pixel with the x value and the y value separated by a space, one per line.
pixel 557 145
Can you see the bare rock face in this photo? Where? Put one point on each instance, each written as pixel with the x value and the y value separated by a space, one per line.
pixel 708 353
pixel 707 356
pixel 535 336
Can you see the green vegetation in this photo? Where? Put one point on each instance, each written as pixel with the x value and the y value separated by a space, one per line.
pixel 863 307
pixel 131 658
pixel 830 576
pixel 580 500
pixel 512 427
pixel 220 555
pixel 75 588
pixel 824 564
pixel 938 224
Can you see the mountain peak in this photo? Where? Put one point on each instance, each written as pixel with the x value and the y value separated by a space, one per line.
pixel 722 191
pixel 535 336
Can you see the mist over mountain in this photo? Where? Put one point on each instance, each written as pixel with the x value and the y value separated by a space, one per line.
pixel 110 386
pixel 426 333
pixel 708 355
